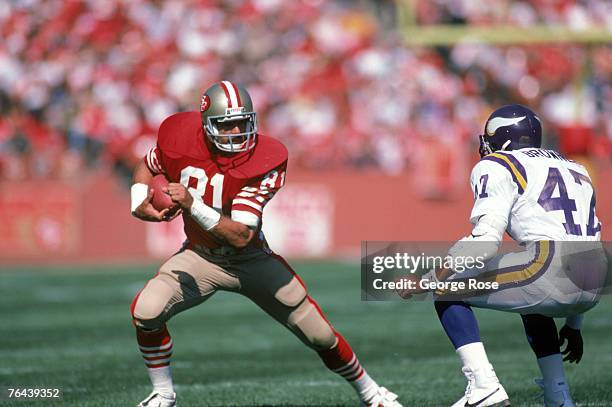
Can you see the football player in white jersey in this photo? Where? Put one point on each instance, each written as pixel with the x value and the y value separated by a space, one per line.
pixel 546 203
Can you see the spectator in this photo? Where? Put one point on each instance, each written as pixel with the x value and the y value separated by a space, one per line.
pixel 85 84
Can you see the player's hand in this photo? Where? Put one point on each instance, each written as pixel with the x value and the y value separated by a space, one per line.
pixel 573 350
pixel 411 283
pixel 179 195
pixel 172 213
pixel 147 212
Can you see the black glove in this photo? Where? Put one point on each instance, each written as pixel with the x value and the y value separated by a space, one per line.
pixel 573 350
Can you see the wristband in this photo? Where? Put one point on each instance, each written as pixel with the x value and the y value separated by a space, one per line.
pixel 206 216
pixel 139 193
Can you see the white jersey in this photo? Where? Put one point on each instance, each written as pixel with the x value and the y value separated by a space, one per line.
pixel 543 195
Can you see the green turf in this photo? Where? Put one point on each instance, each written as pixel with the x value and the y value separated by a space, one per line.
pixel 71 328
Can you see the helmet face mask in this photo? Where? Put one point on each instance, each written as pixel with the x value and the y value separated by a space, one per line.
pixel 510 127
pixel 219 131
pixel 485 147
pixel 228 117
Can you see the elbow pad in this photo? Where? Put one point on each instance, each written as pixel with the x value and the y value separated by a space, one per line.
pixel 490 228
pixel 484 240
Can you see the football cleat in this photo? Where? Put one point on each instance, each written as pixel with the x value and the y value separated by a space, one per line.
pixel 382 398
pixel 483 389
pixel 556 394
pixel 156 399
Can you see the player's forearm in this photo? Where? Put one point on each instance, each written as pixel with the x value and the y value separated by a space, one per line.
pixel 141 178
pixel 233 233
pixel 223 228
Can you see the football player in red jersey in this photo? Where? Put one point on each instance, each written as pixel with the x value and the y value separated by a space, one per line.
pixel 222 172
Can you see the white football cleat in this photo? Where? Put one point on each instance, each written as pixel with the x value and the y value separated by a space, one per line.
pixel 556 394
pixel 382 398
pixel 483 389
pixel 156 399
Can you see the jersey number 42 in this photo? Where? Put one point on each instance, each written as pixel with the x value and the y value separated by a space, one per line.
pixel 564 203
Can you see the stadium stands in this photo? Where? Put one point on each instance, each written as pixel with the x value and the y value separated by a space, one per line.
pixel 85 84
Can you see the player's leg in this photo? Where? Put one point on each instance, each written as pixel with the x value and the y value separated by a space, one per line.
pixel 461 327
pixel 522 287
pixel 459 323
pixel 182 282
pixel 273 285
pixel 155 345
pixel 542 335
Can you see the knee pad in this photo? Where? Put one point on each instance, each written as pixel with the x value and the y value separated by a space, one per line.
pixel 308 320
pixel 149 307
pixel 291 294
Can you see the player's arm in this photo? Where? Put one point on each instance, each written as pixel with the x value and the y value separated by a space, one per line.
pixel 233 233
pixel 494 195
pixel 236 234
pixel 141 196
pixel 247 208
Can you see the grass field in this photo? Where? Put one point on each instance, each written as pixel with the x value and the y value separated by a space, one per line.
pixel 71 328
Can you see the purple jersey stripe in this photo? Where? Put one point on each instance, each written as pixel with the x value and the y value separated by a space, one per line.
pixel 516 163
pixel 506 166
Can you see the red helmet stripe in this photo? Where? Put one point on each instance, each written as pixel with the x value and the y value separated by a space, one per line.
pixel 227 93
pixel 232 91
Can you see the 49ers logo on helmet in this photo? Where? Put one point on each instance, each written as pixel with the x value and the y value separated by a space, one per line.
pixel 204 103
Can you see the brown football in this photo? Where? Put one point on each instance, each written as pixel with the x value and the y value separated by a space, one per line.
pixel 160 199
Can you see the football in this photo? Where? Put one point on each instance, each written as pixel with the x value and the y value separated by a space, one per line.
pixel 160 199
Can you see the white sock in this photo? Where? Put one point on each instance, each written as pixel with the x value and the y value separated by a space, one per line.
pixel 473 355
pixel 161 379
pixel 552 369
pixel 365 386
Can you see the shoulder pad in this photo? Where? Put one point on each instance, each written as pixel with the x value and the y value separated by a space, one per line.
pixel 512 165
pixel 179 135
pixel 268 154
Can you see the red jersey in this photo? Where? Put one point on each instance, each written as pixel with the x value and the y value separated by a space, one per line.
pixel 238 186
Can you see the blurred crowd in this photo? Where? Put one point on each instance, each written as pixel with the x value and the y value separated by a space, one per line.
pixel 85 84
